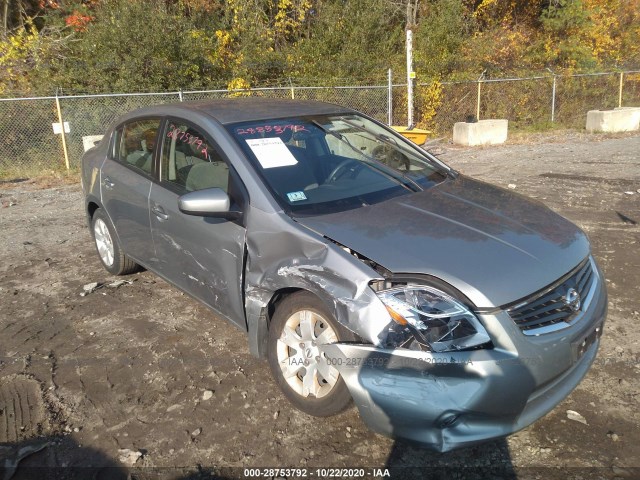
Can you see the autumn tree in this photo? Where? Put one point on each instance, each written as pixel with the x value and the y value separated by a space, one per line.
pixel 356 39
pixel 138 46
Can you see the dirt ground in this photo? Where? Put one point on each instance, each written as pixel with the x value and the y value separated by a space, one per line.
pixel 140 366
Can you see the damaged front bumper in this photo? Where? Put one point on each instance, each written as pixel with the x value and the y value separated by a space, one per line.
pixel 456 399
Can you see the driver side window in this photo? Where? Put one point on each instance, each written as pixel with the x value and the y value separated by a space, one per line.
pixel 190 162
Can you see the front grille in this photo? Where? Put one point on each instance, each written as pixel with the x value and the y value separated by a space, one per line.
pixel 551 306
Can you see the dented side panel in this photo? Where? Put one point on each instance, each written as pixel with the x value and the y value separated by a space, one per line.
pixel 281 254
pixel 201 255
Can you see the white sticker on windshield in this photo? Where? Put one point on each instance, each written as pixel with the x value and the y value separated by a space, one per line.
pixel 271 152
pixel 296 196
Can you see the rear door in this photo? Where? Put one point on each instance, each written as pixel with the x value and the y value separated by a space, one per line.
pixel 125 183
pixel 202 255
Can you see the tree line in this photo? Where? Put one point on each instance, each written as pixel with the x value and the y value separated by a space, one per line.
pixel 93 46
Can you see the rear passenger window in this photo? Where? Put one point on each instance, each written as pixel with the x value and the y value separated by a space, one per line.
pixel 190 162
pixel 137 144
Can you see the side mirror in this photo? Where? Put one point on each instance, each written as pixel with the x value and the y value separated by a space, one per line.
pixel 210 202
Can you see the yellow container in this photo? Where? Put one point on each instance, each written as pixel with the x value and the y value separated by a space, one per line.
pixel 416 135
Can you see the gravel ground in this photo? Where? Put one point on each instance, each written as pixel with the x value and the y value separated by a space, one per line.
pixel 140 374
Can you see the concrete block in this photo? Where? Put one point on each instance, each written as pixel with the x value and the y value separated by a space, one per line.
pixel 635 111
pixel 90 141
pixel 483 132
pixel 618 120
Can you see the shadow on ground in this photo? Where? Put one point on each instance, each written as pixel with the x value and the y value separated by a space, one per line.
pixel 60 457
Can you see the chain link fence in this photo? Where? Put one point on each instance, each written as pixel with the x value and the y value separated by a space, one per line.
pixel 534 103
pixel 28 144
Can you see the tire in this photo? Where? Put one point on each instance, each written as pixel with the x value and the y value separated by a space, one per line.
pixel 301 319
pixel 106 242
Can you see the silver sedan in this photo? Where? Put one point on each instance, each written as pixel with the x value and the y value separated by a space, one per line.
pixel 359 265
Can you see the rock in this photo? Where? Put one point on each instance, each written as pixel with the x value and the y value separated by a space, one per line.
pixel 348 435
pixel 512 186
pixel 207 395
pixel 90 288
pixel 615 437
pixel 174 407
pixel 196 432
pixel 622 472
pixel 576 417
pixel 76 429
pixel 276 414
pixel 119 283
pixel 129 457
pixel 629 193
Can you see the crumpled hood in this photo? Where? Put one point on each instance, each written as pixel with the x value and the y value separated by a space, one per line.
pixel 493 245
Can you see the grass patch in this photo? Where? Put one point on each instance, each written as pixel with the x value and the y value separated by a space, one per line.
pixel 38 176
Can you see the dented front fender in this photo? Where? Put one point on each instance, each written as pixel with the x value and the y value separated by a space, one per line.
pixel 281 254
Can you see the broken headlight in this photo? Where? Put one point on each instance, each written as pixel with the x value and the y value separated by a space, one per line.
pixel 424 318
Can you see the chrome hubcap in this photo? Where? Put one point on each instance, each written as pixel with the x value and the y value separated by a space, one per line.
pixel 103 242
pixel 305 369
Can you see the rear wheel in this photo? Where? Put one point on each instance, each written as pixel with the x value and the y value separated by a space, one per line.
pixel 111 256
pixel 301 323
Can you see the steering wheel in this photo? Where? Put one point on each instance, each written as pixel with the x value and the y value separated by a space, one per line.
pixel 342 168
pixel 391 157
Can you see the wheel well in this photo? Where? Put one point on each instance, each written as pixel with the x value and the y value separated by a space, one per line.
pixel 277 297
pixel 91 208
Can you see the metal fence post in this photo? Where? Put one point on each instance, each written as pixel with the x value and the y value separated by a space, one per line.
pixel 553 97
pixel 64 140
pixel 389 97
pixel 410 76
pixel 293 92
pixel 553 100
pixel 478 101
pixel 620 89
pixel 180 94
pixel 480 79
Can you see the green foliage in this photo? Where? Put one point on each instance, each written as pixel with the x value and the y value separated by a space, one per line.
pixel 445 25
pixel 350 39
pixel 565 22
pixel 128 46
pixel 137 46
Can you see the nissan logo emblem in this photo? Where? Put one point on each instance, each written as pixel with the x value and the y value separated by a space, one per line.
pixel 572 299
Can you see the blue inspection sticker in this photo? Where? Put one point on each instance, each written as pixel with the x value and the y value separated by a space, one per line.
pixel 296 196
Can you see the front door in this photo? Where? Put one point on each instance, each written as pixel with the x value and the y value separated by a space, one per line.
pixel 202 255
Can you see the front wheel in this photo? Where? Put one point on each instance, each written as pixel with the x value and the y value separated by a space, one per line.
pixel 301 322
pixel 111 256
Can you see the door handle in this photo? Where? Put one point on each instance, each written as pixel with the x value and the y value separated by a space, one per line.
pixel 159 212
pixel 108 184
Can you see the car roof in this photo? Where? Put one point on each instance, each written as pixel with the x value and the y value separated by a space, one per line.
pixel 234 110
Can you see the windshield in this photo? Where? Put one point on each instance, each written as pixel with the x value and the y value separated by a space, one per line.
pixel 328 163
